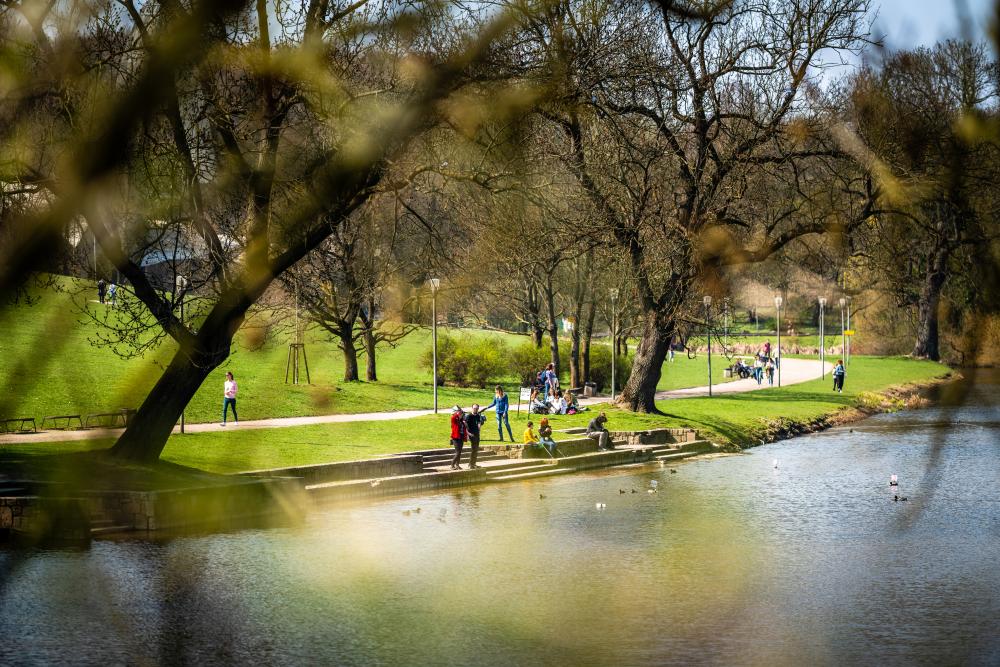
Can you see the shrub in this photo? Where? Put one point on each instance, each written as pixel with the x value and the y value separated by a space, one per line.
pixel 600 368
pixel 525 360
pixel 468 361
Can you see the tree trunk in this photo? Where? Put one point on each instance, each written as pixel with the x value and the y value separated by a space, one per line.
pixel 147 433
pixel 639 393
pixel 370 372
pixel 575 375
pixel 534 316
pixel 350 359
pixel 553 325
pixel 927 344
pixel 588 335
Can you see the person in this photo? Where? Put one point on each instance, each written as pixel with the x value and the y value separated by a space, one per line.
pixel 758 369
pixel 670 350
pixel 537 404
pixel 529 435
pixel 572 404
pixel 596 431
pixel 559 405
pixel 551 381
pixel 229 389
pixel 459 434
pixel 502 404
pixel 767 348
pixel 769 369
pixel 473 421
pixel 113 294
pixel 838 376
pixel 102 289
pixel 545 434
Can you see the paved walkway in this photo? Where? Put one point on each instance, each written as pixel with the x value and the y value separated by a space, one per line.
pixel 794 371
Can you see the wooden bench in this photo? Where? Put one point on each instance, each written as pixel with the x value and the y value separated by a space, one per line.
pixel 21 422
pixel 56 419
pixel 105 419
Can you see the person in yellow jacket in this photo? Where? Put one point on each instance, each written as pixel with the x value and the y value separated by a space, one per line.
pixel 529 435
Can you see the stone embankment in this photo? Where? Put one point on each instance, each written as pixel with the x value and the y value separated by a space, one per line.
pixel 285 494
pixel 902 397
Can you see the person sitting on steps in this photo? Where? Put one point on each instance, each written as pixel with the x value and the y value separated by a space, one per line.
pixel 596 431
pixel 545 433
pixel 529 435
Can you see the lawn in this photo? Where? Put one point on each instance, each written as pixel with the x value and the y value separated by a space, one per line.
pixel 49 365
pixel 723 418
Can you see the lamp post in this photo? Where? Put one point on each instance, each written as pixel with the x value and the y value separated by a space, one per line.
pixel 777 310
pixel 180 286
pixel 614 339
pixel 707 300
pixel 843 334
pixel 725 324
pixel 847 353
pixel 822 338
pixel 435 283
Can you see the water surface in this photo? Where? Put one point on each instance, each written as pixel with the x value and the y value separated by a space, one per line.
pixel 732 561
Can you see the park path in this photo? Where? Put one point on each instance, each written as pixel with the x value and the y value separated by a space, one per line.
pixel 794 371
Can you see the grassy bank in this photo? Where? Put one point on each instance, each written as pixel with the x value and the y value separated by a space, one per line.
pixel 50 365
pixel 734 418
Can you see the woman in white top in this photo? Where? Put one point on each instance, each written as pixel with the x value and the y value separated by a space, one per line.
pixel 229 390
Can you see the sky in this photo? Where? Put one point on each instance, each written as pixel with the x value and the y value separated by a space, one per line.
pixel 911 23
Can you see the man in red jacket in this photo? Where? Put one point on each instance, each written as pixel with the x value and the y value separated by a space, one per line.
pixel 459 434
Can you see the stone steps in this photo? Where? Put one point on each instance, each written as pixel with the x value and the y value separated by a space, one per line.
pixel 533 474
pixel 497 472
pixel 675 456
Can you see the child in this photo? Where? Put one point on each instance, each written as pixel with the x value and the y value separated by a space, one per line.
pixel 529 435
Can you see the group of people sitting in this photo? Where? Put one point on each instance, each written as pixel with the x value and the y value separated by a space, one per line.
pixel 763 366
pixel 595 431
pixel 554 404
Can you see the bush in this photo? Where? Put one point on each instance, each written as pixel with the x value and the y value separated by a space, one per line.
pixel 469 361
pixel 525 360
pixel 600 368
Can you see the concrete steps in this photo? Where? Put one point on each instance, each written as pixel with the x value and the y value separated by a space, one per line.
pixel 675 456
pixel 498 472
pixel 532 474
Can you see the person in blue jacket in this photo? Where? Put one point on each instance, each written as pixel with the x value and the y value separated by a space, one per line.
pixel 838 376
pixel 502 405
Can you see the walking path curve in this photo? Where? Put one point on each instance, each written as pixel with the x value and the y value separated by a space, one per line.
pixel 793 371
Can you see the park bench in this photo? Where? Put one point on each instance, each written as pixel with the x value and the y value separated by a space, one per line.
pixel 61 422
pixel 107 419
pixel 22 425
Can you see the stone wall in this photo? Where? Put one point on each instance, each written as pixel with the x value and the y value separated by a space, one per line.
pixel 346 470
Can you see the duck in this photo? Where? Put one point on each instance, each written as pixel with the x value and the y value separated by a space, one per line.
pixel 621 491
pixel 541 496
pixel 673 470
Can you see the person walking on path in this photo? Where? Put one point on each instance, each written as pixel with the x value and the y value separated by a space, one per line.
pixel 769 369
pixel 473 421
pixel 229 389
pixel 838 376
pixel 596 431
pixel 102 289
pixel 545 434
pixel 113 294
pixel 767 348
pixel 758 369
pixel 459 434
pixel 502 405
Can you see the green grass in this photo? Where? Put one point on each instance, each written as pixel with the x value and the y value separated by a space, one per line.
pixel 723 418
pixel 50 366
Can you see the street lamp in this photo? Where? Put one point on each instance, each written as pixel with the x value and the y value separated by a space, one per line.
pixel 847 354
pixel 707 300
pixel 614 339
pixel 822 338
pixel 843 331
pixel 725 323
pixel 180 286
pixel 777 310
pixel 435 283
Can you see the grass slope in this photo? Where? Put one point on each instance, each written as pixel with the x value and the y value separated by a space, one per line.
pixel 50 366
pixel 723 418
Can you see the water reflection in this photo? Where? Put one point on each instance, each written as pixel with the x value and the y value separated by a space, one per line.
pixel 732 561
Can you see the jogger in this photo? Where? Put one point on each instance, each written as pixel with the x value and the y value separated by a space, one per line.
pixel 229 398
